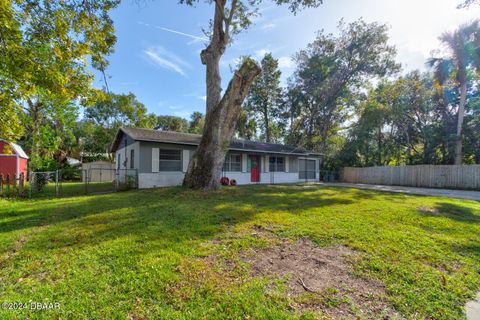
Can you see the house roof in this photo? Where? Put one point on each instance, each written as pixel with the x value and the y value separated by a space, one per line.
pixel 140 134
pixel 16 149
pixel 19 151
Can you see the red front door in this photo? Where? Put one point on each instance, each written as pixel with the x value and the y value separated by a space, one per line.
pixel 255 168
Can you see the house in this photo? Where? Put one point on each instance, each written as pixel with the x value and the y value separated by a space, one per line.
pixel 161 158
pixel 13 160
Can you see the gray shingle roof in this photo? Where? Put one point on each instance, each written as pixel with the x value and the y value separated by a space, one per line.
pixel 140 134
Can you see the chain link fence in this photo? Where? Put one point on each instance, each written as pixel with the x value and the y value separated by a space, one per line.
pixel 74 182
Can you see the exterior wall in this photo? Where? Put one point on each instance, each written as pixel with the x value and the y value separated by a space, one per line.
pixel 8 165
pixel 145 153
pixel 125 155
pixel 22 167
pixel 11 164
pixel 279 177
pixel 160 179
pixel 149 177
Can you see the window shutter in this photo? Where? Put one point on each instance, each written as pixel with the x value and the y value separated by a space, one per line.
pixel 287 165
pixel 244 162
pixel 267 164
pixel 186 159
pixel 155 159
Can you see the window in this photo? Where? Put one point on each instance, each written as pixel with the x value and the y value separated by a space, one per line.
pixel 277 164
pixel 170 160
pixel 306 169
pixel 233 163
pixel 132 159
pixel 119 159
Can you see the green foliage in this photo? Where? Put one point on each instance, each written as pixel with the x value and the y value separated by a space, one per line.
pixel 263 102
pixel 102 120
pixel 197 121
pixel 11 128
pixel 40 182
pixel 182 256
pixel 45 45
pixel 328 82
pixel 246 127
pixel 172 123
pixel 395 125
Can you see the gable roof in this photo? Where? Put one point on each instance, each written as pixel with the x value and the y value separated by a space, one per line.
pixel 16 149
pixel 140 134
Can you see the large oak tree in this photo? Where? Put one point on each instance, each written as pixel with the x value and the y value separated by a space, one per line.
pixel 330 73
pixel 222 110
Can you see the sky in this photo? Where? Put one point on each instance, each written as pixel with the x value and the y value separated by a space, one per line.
pixel 159 41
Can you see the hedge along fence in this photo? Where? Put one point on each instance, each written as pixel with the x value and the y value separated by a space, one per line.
pixel 427 176
pixel 10 186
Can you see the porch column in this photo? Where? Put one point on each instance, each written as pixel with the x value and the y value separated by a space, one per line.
pixel 267 164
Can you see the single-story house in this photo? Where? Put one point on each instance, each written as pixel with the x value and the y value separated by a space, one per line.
pixel 13 160
pixel 161 158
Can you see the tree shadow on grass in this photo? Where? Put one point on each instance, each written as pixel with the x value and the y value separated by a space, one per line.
pixel 173 214
pixel 454 211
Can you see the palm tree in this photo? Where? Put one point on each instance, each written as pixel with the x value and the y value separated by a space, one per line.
pixel 463 45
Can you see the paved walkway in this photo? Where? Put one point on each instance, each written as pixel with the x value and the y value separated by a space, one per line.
pixel 471 195
pixel 473 309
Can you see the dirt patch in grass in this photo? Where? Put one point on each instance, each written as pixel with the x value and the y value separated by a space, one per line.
pixel 429 210
pixel 322 279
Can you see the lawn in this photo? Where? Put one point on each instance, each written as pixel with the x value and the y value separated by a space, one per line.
pixel 148 254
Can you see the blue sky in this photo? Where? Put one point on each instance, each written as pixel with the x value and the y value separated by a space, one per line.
pixel 157 53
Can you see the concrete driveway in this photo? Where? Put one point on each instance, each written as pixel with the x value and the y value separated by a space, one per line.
pixel 462 194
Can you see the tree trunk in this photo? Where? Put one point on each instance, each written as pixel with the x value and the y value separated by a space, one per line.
pixel 205 168
pixel 460 116
pixel 267 124
pixel 379 146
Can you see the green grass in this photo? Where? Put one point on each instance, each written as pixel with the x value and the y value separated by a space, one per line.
pixel 138 254
pixel 67 189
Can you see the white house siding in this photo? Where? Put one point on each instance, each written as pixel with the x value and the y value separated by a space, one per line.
pixel 240 177
pixel 132 146
pixel 152 179
pixel 160 179
pixel 279 177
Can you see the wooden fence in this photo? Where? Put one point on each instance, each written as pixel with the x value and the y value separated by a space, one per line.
pixel 12 186
pixel 427 176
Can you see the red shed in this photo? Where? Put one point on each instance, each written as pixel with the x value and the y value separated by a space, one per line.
pixel 13 160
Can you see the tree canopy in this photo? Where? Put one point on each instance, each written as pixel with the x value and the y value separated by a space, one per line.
pixel 44 49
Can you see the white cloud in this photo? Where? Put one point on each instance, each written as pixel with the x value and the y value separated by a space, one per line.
pixel 204 98
pixel 183 114
pixel 285 63
pixel 268 26
pixel 175 107
pixel 165 59
pixel 261 53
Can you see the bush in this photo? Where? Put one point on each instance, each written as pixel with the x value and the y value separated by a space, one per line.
pixel 233 182
pixel 41 180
